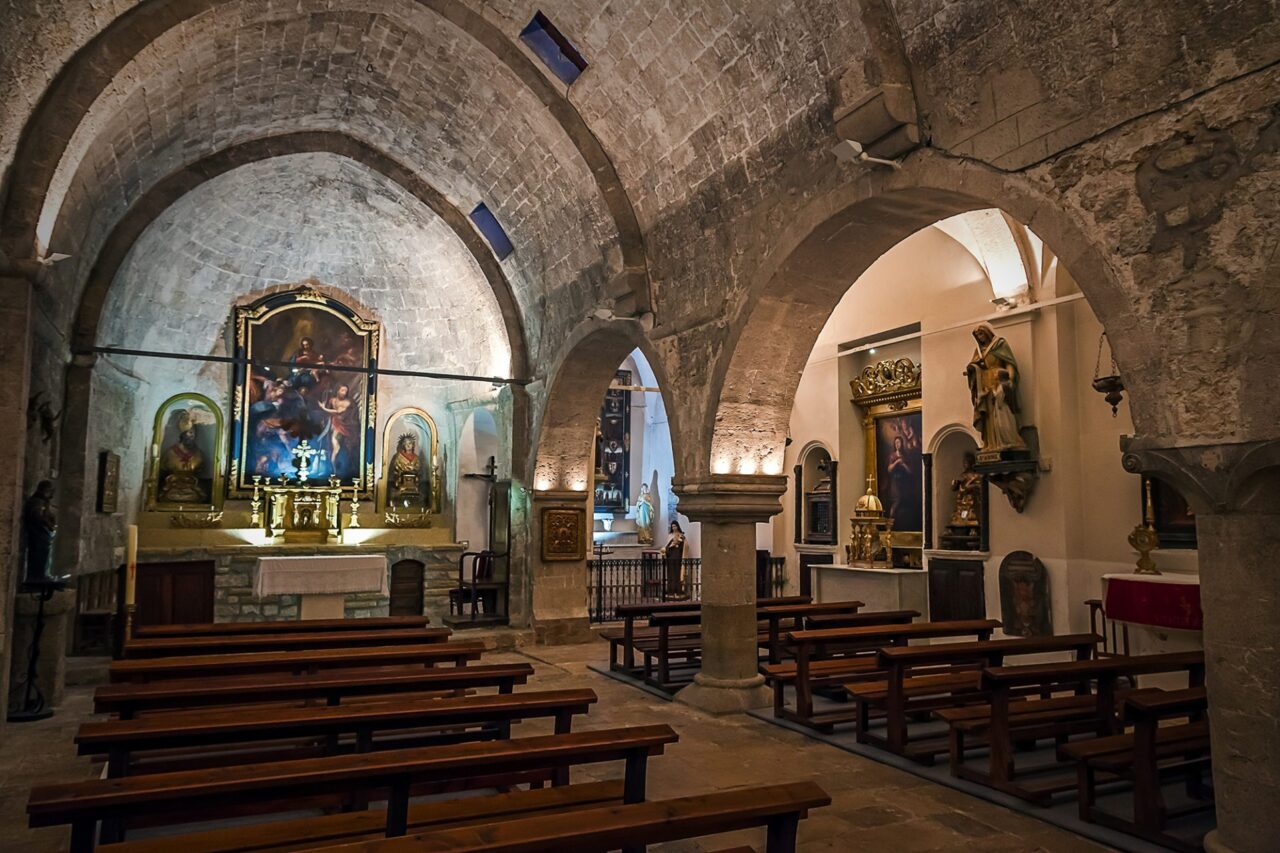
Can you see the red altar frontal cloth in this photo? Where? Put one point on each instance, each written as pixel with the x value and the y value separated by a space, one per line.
pixel 1154 602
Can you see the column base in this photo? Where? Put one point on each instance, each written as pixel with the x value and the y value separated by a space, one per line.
pixel 562 632
pixel 726 695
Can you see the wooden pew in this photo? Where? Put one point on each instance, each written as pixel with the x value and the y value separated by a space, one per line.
pixel 1007 720
pixel 284 626
pixel 776 614
pixel 625 637
pixel 952 679
pixel 1146 756
pixel 331 687
pixel 312 660
pixel 778 808
pixel 820 621
pixel 198 795
pixel 282 642
pixel 817 665
pixel 378 726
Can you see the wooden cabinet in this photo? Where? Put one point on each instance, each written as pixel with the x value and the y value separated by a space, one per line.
pixel 956 589
pixel 407 578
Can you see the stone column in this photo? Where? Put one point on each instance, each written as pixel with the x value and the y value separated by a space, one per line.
pixel 1234 490
pixel 728 508
pixel 558 564
pixel 15 373
pixel 1240 596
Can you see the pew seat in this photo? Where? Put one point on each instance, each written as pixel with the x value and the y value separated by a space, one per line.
pixel 155 647
pixel 271 626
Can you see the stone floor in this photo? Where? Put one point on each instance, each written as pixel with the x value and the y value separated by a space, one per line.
pixel 875 807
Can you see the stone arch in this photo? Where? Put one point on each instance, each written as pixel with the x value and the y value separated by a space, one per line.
pixel 67 100
pixel 946 432
pixel 565 426
pixel 824 251
pixel 157 199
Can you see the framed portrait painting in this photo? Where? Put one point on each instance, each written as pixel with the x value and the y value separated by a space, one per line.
pixel 900 469
pixel 108 481
pixel 186 455
pixel 564 534
pixel 305 394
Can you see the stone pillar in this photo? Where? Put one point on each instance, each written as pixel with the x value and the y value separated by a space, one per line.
pixel 1234 490
pixel 1240 596
pixel 558 562
pixel 15 373
pixel 728 508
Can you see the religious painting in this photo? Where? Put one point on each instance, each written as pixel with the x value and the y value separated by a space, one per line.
pixel 305 389
pixel 1024 596
pixel 1171 516
pixel 411 463
pixel 900 469
pixel 564 534
pixel 186 455
pixel 613 447
pixel 108 481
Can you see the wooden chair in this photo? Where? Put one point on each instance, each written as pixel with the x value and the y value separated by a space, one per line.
pixel 95 625
pixel 477 591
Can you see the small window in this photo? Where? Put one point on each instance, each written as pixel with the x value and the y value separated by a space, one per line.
pixel 488 225
pixel 551 46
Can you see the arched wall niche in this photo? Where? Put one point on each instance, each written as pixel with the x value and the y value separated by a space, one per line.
pixel 477 443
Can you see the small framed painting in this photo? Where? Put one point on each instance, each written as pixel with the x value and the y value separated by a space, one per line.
pixel 108 481
pixel 564 534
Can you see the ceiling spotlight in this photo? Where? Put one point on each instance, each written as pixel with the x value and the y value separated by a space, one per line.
pixel 871 351
pixel 851 151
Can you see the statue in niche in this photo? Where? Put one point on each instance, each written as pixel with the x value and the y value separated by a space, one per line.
pixel 406 469
pixel 644 515
pixel 39 526
pixel 673 560
pixel 993 388
pixel 180 464
pixel 968 489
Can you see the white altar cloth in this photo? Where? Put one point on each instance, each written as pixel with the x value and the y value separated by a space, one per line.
pixel 324 574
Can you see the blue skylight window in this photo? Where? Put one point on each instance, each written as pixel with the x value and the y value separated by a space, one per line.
pixel 551 46
pixel 488 225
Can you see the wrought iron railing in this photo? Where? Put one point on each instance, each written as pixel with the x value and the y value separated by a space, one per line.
pixel 635 581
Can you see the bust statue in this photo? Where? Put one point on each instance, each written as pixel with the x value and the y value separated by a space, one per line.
pixel 406 470
pixel 180 464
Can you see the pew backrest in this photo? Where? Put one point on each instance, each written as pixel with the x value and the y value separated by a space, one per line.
pixel 285 626
pixel 993 651
pixel 280 642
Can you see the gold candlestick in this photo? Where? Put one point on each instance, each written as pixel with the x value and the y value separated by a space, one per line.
pixel 255 505
pixel 1145 540
pixel 355 507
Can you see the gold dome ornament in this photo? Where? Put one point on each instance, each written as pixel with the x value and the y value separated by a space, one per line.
pixel 870 532
pixel 869 505
pixel 1144 540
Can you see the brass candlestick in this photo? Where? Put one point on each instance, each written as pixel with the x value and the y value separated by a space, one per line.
pixel 1145 540
pixel 255 505
pixel 355 507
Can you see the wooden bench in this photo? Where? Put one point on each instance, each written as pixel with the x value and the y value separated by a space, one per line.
pixel 810 672
pixel 1007 720
pixel 312 660
pixel 284 626
pixel 625 637
pixel 952 678
pixel 777 808
pixel 1146 756
pixel 820 621
pixel 198 795
pixel 94 632
pixel 381 726
pixel 282 642
pixel 331 687
pixel 776 614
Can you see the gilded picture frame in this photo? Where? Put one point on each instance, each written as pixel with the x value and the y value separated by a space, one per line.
pixel 564 534
pixel 186 473
pixel 306 367
pixel 416 422
pixel 888 393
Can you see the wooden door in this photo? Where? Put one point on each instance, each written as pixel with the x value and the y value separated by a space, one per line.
pixel 956 590
pixel 406 588
pixel 174 593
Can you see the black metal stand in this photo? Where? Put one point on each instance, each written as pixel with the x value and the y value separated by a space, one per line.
pixel 33 702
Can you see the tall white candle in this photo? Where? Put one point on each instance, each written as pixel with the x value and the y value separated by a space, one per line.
pixel 131 565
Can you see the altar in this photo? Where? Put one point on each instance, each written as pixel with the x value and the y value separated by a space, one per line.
pixel 322 580
pixel 1161 612
pixel 878 589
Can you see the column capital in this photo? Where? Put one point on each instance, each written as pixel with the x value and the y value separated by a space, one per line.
pixel 727 498
pixel 1214 478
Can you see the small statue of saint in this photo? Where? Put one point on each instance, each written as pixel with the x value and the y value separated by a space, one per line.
pixel 180 464
pixel 39 526
pixel 406 470
pixel 644 515
pixel 673 560
pixel 993 388
pixel 968 489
